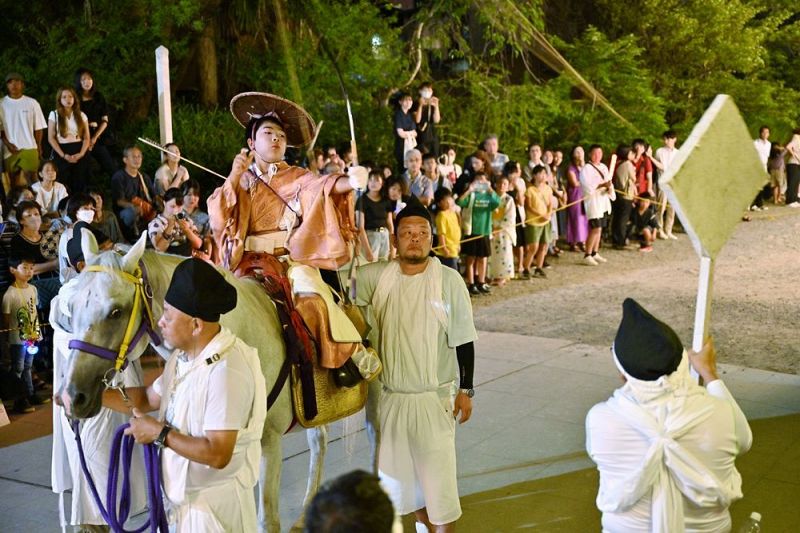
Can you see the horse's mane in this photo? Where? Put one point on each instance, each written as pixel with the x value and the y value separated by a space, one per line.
pixel 158 266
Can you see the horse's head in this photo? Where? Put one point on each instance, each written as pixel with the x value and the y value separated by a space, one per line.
pixel 101 309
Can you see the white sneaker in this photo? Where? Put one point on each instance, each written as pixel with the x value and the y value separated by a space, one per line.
pixel 794 205
pixel 672 236
pixel 589 260
pixel 599 259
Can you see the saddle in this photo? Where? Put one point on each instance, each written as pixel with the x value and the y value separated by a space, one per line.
pixel 316 395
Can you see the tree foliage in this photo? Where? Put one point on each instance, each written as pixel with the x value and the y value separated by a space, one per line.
pixel 659 63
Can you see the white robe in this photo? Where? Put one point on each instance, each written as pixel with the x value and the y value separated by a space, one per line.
pixel 421 319
pixel 202 498
pixel 665 451
pixel 96 436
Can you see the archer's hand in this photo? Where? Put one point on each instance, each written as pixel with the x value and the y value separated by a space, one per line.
pixel 463 406
pixel 705 361
pixel 144 428
pixel 241 162
pixel 357 177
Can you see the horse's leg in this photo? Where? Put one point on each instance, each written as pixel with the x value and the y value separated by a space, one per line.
pixel 373 422
pixel 318 445
pixel 269 482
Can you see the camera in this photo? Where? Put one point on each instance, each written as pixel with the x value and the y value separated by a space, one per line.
pixel 180 215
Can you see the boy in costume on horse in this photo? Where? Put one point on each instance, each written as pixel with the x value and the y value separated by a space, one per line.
pixel 272 216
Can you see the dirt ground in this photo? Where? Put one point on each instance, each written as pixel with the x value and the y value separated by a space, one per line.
pixel 756 294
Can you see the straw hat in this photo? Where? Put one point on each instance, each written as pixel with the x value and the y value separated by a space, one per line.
pixel 296 122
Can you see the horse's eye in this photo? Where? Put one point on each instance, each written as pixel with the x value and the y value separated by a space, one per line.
pixel 115 313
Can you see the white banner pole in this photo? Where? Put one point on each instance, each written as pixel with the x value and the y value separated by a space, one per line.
pixel 164 98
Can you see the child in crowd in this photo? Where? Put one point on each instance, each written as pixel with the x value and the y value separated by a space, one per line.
pixel 776 164
pixel 172 231
pixel 375 223
pixel 430 168
pixel 516 188
pixel 448 229
pixel 538 230
pixel 398 195
pixel 504 234
pixel 448 166
pixel 644 222
pixel 21 320
pixel 48 192
pixel 477 204
pixel 105 220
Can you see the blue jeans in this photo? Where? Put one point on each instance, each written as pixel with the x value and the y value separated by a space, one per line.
pixel 21 362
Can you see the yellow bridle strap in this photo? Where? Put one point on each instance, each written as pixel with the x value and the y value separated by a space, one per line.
pixel 138 300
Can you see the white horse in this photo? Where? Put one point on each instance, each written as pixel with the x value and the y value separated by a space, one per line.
pixel 101 308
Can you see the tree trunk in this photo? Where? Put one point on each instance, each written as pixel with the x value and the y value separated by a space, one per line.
pixel 207 65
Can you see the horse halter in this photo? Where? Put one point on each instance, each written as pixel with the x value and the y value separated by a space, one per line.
pixel 142 304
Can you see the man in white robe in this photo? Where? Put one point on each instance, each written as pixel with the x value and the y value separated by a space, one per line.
pixel 212 402
pixel 425 332
pixel 665 446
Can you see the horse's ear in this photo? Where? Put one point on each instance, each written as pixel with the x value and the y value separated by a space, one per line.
pixel 89 246
pixel 131 259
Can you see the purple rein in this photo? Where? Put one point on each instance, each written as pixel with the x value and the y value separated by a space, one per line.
pixel 116 518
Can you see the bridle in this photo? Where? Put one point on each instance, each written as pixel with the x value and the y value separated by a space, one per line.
pixel 142 304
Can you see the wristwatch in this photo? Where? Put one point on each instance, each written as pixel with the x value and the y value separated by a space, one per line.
pixel 469 392
pixel 161 440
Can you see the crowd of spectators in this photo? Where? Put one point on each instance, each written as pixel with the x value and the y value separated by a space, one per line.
pixel 496 219
pixel 57 175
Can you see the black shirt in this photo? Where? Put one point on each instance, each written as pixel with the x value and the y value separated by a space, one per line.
pixel 374 212
pixel 95 110
pixel 125 187
pixel 74 250
pixel 24 249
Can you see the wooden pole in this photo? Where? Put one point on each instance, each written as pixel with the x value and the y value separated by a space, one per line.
pixel 164 97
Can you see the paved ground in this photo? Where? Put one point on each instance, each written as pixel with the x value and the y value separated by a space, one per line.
pixel 521 459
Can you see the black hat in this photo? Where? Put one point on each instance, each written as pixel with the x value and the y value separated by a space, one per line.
pixel 646 347
pixel 74 248
pixel 200 291
pixel 412 210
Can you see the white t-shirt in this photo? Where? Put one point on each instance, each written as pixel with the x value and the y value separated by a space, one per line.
pixel 763 148
pixel 72 128
pixel 20 118
pixel 20 304
pixel 597 203
pixel 665 156
pixel 49 199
